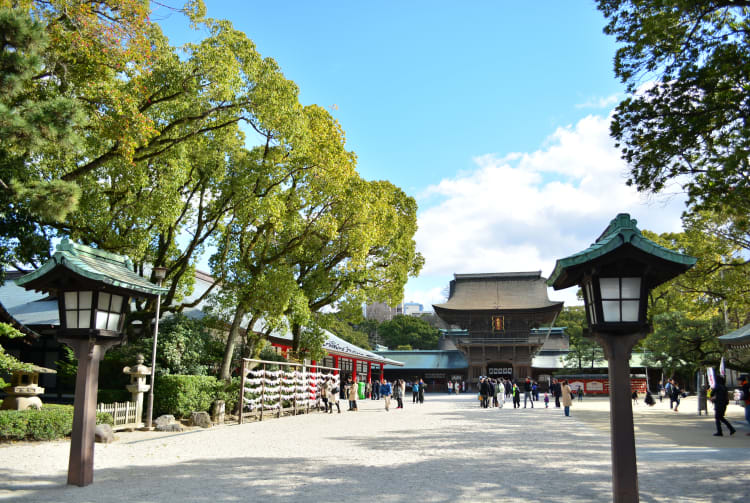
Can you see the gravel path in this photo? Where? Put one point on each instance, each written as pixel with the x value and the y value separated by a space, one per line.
pixel 446 450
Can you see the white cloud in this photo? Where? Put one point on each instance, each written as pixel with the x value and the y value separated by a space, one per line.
pixel 600 102
pixel 522 211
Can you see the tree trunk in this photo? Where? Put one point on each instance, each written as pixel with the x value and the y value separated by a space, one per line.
pixel 296 332
pixel 234 332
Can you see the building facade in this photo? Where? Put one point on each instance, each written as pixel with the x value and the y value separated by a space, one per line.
pixel 501 315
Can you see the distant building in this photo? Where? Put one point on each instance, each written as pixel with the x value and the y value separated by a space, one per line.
pixel 380 312
pixel 412 308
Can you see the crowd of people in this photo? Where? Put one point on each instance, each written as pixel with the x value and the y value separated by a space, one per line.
pixel 373 390
pixel 495 392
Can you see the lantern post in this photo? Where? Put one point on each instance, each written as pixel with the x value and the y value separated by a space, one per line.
pixel 616 274
pixel 93 289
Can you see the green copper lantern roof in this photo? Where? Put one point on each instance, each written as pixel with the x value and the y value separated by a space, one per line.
pixel 622 231
pixel 89 264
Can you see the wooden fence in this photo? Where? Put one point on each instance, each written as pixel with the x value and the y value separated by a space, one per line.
pixel 124 414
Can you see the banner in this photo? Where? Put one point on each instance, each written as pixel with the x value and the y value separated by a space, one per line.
pixel 711 377
pixel 722 369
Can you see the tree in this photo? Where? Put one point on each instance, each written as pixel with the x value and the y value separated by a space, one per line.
pixel 685 65
pixel 584 351
pixel 409 331
pixel 684 345
pixel 9 363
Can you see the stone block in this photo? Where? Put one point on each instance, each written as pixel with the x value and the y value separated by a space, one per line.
pixel 218 411
pixel 104 434
pixel 164 420
pixel 200 419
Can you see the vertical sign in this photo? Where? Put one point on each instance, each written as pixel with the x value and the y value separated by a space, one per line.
pixel 498 323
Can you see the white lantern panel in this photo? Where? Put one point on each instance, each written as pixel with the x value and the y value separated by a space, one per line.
pixel 103 304
pixel 611 311
pixel 631 288
pixel 630 310
pixel 116 305
pixel 101 320
pixel 71 319
pixel 71 300
pixel 114 320
pixel 85 300
pixel 84 318
pixel 610 288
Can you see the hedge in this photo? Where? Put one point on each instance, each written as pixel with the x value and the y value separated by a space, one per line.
pixel 48 423
pixel 180 395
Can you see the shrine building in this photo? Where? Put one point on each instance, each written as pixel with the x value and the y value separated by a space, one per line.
pixel 500 316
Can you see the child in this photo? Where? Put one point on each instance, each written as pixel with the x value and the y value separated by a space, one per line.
pixel 546 401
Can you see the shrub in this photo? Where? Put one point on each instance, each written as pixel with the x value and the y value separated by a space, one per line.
pixel 112 395
pixel 180 395
pixel 49 423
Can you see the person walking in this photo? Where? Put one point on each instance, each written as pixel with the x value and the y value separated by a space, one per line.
pixel 333 396
pixel 567 397
pixel 634 396
pixel 415 391
pixel 351 393
pixel 720 397
pixel 556 392
pixel 398 393
pixel 422 390
pixel 368 389
pixel 674 394
pixel 746 398
pixel 484 392
pixel 376 389
pixel 450 387
pixel 527 396
pixel 386 392
pixel 516 396
pixel 546 401
pixel 580 393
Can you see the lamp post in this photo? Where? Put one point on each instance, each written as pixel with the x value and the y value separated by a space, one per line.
pixel 93 289
pixel 159 273
pixel 616 273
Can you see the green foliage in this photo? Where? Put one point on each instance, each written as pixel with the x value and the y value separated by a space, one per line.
pixel 688 125
pixel 683 345
pixel 180 395
pixel 408 331
pixel 112 395
pixel 335 325
pixel 584 351
pixel 9 363
pixel 48 423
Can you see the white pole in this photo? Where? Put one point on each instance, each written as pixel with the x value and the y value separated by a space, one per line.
pixel 150 412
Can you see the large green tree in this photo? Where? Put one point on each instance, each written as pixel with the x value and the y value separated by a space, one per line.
pixel 686 65
pixel 411 331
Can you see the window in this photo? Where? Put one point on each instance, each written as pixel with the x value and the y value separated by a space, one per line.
pixel 78 309
pixel 620 299
pixel 109 311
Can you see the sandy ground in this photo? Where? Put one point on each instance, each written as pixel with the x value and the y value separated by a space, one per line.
pixel 446 450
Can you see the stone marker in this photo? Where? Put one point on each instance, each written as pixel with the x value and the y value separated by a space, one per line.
pixel 104 434
pixel 170 427
pixel 200 419
pixel 217 412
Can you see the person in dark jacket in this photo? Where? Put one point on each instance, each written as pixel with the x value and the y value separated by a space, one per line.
pixel 556 392
pixel 484 391
pixel 720 397
pixel 516 397
pixel 422 386
pixel 527 396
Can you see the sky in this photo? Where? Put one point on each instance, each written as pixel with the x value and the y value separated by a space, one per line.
pixel 493 115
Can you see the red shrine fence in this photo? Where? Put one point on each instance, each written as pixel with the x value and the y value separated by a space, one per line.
pixel 280 388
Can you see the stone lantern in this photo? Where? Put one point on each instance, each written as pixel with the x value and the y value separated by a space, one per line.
pixel 24 390
pixel 616 274
pixel 137 387
pixel 93 289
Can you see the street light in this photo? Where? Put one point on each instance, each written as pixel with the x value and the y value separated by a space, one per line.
pixel 616 273
pixel 93 288
pixel 159 274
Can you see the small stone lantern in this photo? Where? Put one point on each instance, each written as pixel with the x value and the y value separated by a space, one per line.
pixel 24 390
pixel 138 386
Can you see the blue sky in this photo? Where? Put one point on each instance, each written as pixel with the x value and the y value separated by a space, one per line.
pixel 493 115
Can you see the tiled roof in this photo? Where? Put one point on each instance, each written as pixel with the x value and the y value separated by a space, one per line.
pixel 498 291
pixel 739 336
pixel 426 359
pixel 91 263
pixel 622 230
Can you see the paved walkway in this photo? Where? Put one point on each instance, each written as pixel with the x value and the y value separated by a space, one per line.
pixel 446 450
